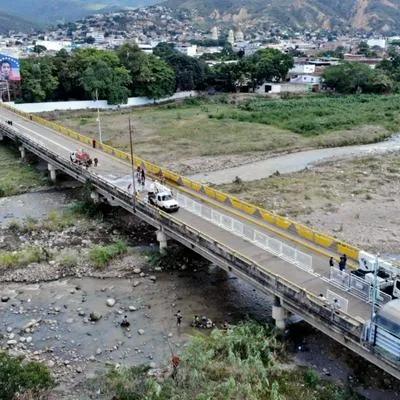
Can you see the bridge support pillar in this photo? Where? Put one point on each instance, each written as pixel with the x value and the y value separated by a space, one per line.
pixel 22 151
pixel 52 170
pixel 279 314
pixel 1 137
pixel 162 240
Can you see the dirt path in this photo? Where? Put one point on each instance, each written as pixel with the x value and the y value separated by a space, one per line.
pixel 292 162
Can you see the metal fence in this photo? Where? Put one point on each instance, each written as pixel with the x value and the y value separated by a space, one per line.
pixel 357 286
pixel 247 232
pixel 342 302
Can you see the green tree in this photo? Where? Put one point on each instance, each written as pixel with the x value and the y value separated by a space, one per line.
pixel 190 72
pixel 110 82
pixel 151 76
pixel 268 65
pixel 350 78
pixel 39 80
pixel 164 49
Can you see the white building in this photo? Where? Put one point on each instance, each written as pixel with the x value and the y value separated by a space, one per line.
pixel 146 48
pixel 55 45
pixel 302 69
pixel 377 42
pixel 231 38
pixel 189 50
pixel 306 80
pixel 214 33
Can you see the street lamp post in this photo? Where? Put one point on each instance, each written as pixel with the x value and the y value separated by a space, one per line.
pixel 133 167
pixel 98 116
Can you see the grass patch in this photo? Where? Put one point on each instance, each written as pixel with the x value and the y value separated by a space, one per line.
pixel 17 177
pixel 24 256
pixel 242 363
pixel 100 256
pixel 211 127
pixel 21 377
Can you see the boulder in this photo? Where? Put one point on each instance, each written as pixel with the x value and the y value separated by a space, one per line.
pixel 111 302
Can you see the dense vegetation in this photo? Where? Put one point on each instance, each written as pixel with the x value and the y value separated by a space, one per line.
pixel 16 177
pixel 315 115
pixel 114 76
pixel 242 363
pixel 18 376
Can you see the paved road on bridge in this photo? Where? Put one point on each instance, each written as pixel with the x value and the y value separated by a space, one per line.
pixel 119 172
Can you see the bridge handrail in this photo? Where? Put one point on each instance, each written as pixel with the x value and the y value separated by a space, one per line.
pixel 352 325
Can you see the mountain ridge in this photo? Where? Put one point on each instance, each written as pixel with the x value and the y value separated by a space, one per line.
pixel 12 23
pixel 368 15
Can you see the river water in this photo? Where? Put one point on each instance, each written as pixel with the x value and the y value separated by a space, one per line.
pixel 294 162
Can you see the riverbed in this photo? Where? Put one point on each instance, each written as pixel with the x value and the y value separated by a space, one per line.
pixel 50 321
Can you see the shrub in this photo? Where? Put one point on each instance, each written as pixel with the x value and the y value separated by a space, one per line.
pixel 311 378
pixel 18 376
pixel 102 255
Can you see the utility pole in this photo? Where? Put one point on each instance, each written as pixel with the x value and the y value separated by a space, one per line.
pixel 133 167
pixel 98 116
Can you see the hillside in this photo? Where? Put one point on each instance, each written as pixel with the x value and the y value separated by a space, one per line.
pixel 376 15
pixel 61 11
pixel 12 23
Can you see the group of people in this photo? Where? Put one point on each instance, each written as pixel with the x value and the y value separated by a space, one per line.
pixel 342 262
pixel 202 323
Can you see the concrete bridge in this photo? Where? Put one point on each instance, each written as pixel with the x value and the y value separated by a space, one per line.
pixel 277 256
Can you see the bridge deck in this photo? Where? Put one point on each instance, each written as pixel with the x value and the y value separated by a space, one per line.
pixel 112 168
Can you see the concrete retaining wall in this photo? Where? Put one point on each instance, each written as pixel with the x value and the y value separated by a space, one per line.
pixel 102 104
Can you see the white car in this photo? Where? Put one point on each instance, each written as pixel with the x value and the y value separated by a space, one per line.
pixel 164 200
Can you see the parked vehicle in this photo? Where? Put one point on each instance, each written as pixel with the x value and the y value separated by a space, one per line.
pixel 80 157
pixel 387 277
pixel 383 331
pixel 163 200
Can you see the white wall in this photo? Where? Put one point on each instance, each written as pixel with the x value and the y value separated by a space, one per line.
pixel 102 104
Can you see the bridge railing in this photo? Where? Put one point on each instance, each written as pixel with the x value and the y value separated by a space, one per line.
pixel 357 286
pixel 247 232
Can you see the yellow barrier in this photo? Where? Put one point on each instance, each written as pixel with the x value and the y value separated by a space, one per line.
pixel 304 231
pixel 347 249
pixel 186 182
pixel 267 215
pixel 281 222
pixel 171 176
pixel 196 186
pixel 323 240
pixel 210 192
pixel 220 196
pixel 236 203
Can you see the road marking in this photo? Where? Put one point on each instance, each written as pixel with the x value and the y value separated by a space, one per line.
pixel 43 137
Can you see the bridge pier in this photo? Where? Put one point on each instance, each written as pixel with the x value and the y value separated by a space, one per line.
pixel 1 137
pixel 52 170
pixel 162 240
pixel 22 151
pixel 279 314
